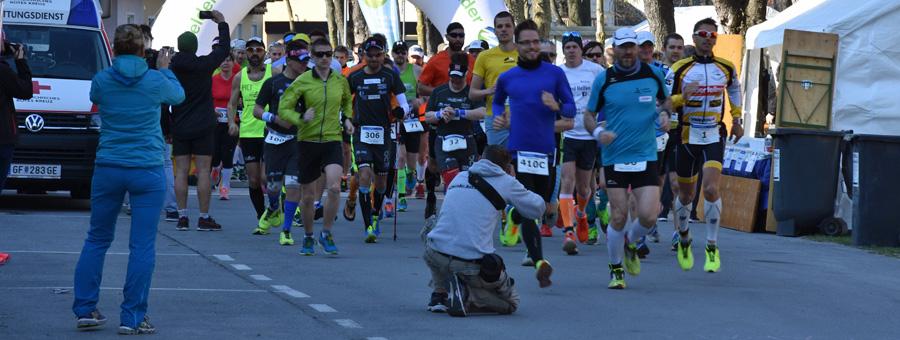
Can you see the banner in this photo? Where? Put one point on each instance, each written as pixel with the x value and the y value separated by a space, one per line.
pixel 382 16
pixel 176 17
pixel 476 16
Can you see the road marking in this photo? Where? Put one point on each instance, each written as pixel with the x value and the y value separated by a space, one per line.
pixel 163 289
pixel 347 323
pixel 239 266
pixel 78 253
pixel 322 308
pixel 225 258
pixel 289 291
pixel 260 277
pixel 376 338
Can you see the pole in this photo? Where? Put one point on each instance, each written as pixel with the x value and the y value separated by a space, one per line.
pixel 395 196
pixel 346 17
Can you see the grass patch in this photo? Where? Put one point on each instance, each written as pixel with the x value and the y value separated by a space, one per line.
pixel 847 241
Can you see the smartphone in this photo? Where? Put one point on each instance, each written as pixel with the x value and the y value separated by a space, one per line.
pixel 206 15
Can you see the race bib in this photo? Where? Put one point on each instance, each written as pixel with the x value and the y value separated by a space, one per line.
pixel 661 142
pixel 394 131
pixel 413 125
pixel 631 167
pixel 533 163
pixel 703 134
pixel 453 143
pixel 222 115
pixel 372 135
pixel 277 138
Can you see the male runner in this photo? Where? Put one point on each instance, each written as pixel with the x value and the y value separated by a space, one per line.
pixel 410 131
pixel 489 66
pixel 674 50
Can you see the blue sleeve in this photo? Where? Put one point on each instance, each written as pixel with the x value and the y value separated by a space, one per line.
pixel 661 77
pixel 499 104
pixel 595 92
pixel 171 91
pixel 564 95
pixel 95 88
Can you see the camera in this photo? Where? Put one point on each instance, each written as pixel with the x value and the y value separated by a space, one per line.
pixel 206 15
pixel 150 56
pixel 10 48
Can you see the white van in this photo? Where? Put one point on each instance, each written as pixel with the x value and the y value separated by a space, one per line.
pixel 58 128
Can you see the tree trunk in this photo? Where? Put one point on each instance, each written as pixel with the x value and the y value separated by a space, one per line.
pixel 542 17
pixel 339 33
pixel 434 39
pixel 332 23
pixel 756 13
pixel 601 21
pixel 517 9
pixel 661 15
pixel 290 13
pixel 738 15
pixel 360 28
pixel 561 12
pixel 421 27
pixel 579 12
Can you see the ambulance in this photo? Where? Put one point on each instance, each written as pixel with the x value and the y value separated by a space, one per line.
pixel 59 127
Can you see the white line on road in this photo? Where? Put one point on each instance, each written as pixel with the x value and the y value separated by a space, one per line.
pixel 78 252
pixel 376 338
pixel 289 291
pixel 239 266
pixel 347 323
pixel 225 258
pixel 322 308
pixel 165 289
pixel 260 277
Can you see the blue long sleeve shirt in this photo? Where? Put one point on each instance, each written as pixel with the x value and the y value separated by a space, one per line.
pixel 531 122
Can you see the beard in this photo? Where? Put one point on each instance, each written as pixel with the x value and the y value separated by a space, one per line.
pixel 456 47
pixel 254 61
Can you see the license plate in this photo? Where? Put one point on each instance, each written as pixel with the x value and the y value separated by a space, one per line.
pixel 48 171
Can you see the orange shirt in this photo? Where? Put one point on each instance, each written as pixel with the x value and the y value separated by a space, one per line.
pixel 436 70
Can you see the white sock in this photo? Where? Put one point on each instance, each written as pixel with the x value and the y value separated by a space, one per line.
pixel 204 215
pixel 682 213
pixel 226 178
pixel 635 231
pixel 615 245
pixel 712 211
pixel 182 213
pixel 420 172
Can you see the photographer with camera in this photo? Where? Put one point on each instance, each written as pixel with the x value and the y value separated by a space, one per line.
pixel 13 84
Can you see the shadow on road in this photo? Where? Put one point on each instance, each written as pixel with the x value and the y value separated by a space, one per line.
pixel 12 203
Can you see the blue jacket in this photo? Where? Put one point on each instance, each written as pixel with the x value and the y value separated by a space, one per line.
pixel 128 96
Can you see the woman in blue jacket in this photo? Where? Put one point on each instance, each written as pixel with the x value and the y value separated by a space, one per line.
pixel 129 160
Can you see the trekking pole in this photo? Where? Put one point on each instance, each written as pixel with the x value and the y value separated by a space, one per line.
pixel 395 196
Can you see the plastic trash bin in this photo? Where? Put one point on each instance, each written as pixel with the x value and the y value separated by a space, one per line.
pixel 804 178
pixel 876 184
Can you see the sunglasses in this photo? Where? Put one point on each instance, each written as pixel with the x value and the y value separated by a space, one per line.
pixel 706 34
pixel 571 35
pixel 256 49
pixel 594 55
pixel 322 54
pixel 456 35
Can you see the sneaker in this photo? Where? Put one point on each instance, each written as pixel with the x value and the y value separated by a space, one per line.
pixel 92 320
pixel 208 224
pixel 376 225
pixel 458 295
pixel 309 246
pixel 544 270
pixel 653 235
pixel 298 220
pixel 183 224
pixel 143 328
pixel 430 207
pixel 616 277
pixel 685 256
pixel 402 205
pixel 593 235
pixel 327 242
pixel 370 234
pixel 509 234
pixel 214 177
pixel 642 249
pixel 260 231
pixel 712 259
pixel 223 193
pixel 171 216
pixel 350 210
pixel 632 263
pixel 546 231
pixel 285 238
pixel 438 303
pixel 581 228
pixel 420 191
pixel 388 208
pixel 274 218
pixel 662 219
pixel 527 261
pixel 569 245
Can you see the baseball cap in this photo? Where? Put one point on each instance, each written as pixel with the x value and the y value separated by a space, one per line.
pixel 457 70
pixel 625 35
pixel 399 46
pixel 256 40
pixel 372 43
pixel 296 52
pixel 416 50
pixel 300 36
pixel 477 45
pixel 645 37
pixel 238 44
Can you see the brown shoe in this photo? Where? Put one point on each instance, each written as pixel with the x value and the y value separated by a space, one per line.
pixel 544 270
pixel 208 224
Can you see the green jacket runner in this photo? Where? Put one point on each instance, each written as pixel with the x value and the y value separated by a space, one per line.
pixel 329 98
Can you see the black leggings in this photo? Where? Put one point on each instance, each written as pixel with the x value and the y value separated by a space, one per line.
pixel 223 149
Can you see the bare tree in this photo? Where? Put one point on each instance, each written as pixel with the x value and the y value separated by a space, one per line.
pixel 517 9
pixel 579 12
pixel 559 11
pixel 542 16
pixel 601 21
pixel 332 23
pixel 421 27
pixel 738 15
pixel 661 16
pixel 290 13
pixel 360 28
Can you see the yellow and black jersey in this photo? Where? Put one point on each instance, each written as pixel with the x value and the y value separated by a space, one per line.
pixel 701 113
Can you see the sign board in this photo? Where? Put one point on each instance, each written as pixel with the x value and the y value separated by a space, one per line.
pixel 807 73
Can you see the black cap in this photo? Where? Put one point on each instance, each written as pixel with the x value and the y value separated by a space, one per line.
pixel 399 46
pixel 296 52
pixel 372 43
pixel 457 70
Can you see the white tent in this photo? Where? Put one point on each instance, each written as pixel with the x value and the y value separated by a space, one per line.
pixel 868 61
pixel 687 16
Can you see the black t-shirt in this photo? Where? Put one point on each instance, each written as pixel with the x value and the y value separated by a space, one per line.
pixel 372 95
pixel 442 97
pixel 270 94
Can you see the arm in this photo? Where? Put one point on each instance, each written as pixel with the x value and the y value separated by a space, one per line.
pixel 288 103
pixel 527 203
pixel 563 124
pixel 498 106
pixel 476 92
pixel 215 58
pixel 171 91
pixel 476 114
pixel 18 85
pixel 233 104
pixel 425 78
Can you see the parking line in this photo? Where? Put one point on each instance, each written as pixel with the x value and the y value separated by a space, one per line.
pixel 322 308
pixel 225 258
pixel 164 289
pixel 239 266
pixel 289 291
pixel 260 277
pixel 347 323
pixel 78 252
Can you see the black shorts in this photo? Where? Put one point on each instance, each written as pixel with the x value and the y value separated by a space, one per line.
pixel 432 139
pixel 666 158
pixel 314 157
pixel 412 141
pixel 582 152
pixel 223 149
pixel 380 157
pixel 198 146
pixel 690 159
pixel 252 149
pixel 462 158
pixel 281 160
pixel 623 180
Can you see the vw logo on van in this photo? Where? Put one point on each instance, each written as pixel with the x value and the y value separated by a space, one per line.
pixel 34 122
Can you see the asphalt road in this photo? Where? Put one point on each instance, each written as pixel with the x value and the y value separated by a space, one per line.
pixel 233 285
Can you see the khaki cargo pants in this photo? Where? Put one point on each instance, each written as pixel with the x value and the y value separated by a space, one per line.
pixel 484 297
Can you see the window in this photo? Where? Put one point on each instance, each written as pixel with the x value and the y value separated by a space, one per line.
pixel 64 53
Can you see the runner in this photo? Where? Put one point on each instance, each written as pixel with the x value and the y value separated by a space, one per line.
pixel 699 85
pixel 489 66
pixel 411 130
pixel 531 124
pixel 579 147
pixel 244 90
pixel 372 87
pixel 223 152
pixel 627 94
pixel 674 50
pixel 319 139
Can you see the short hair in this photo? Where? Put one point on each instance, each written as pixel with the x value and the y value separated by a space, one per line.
pixel 590 45
pixel 671 36
pixel 707 21
pixel 321 42
pixel 128 40
pixel 454 26
pixel 527 25
pixel 498 155
pixel 342 49
pixel 317 33
pixel 504 14
pixel 147 31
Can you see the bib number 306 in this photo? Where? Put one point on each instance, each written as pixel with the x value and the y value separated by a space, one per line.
pixel 372 135
pixel 533 163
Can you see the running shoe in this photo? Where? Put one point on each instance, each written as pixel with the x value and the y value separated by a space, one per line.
pixel 509 235
pixel 388 208
pixel 420 191
pixel 543 272
pixel 642 249
pixel 458 295
pixel 214 177
pixel 632 263
pixel 327 242
pixel 320 211
pixel 546 231
pixel 593 235
pixel 663 219
pixel 402 205
pixel 350 210
pixel 569 245
pixel 297 222
pixel 370 234
pixel 223 193
pixel 712 259
pixel 377 225
pixel 183 224
pixel 685 257
pixel 438 303
pixel 581 228
pixel 145 327
pixel 285 238
pixel 527 261
pixel 616 277
pixel 309 246
pixel 675 240
pixel 91 320
pixel 653 235
pixel 171 216
pixel 208 224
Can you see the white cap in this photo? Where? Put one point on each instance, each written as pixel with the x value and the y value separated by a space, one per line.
pixel 257 40
pixel 238 44
pixel 416 50
pixel 476 45
pixel 644 37
pixel 625 35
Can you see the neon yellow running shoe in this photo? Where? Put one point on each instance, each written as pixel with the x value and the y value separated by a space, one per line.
pixel 274 218
pixel 632 262
pixel 616 277
pixel 370 234
pixel 712 259
pixel 509 234
pixel 684 255
pixel 286 239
